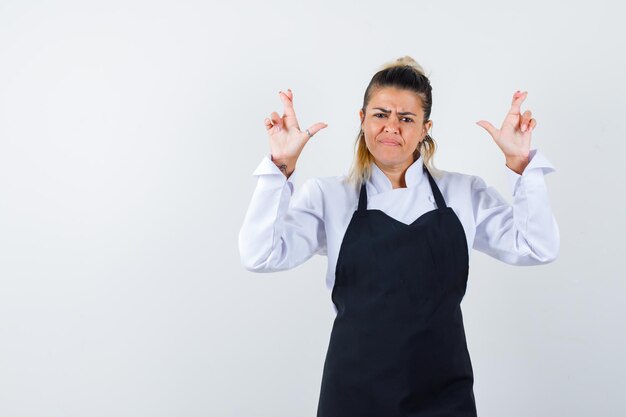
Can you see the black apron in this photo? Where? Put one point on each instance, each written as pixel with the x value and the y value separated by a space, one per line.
pixel 397 347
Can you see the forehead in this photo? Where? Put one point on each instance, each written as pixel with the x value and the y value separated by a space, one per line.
pixel 394 98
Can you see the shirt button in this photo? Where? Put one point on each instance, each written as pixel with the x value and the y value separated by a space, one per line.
pixel 431 198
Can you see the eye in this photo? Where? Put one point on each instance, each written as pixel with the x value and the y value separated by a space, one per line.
pixel 407 119
pixel 379 114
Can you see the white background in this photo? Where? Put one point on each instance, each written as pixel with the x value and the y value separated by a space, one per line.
pixel 128 134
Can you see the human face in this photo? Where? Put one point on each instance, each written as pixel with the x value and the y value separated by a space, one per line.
pixel 393 124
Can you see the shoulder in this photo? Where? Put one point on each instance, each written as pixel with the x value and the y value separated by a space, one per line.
pixel 456 180
pixel 465 191
pixel 331 194
pixel 332 185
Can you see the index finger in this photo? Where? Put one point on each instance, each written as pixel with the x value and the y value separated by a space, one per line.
pixel 518 99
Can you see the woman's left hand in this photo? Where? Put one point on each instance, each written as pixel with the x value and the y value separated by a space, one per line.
pixel 514 135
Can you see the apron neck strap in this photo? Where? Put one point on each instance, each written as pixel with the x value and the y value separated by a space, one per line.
pixel 363 198
pixel 441 203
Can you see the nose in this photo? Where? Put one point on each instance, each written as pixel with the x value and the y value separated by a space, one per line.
pixel 391 126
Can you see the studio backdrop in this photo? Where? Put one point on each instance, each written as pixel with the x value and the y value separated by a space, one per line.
pixel 129 132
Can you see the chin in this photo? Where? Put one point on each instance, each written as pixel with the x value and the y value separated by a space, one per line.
pixel 392 158
pixel 394 162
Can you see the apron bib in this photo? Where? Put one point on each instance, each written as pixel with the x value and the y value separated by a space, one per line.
pixel 397 346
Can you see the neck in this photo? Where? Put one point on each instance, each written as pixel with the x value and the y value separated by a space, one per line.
pixel 395 172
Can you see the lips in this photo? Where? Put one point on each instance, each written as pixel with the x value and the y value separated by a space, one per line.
pixel 389 142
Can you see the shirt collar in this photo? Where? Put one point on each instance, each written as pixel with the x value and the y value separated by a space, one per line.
pixel 413 176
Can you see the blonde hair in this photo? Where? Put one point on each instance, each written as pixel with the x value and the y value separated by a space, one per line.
pixel 406 74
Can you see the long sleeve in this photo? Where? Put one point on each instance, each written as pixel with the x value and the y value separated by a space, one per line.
pixel 280 232
pixel 524 232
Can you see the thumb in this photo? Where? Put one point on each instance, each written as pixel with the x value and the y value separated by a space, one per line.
pixel 316 128
pixel 488 127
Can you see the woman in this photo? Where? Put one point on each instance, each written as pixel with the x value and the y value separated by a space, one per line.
pixel 397 234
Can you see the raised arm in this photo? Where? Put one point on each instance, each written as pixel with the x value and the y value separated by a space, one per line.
pixel 525 232
pixel 280 232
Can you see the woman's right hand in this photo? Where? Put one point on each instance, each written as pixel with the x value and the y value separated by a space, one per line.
pixel 286 138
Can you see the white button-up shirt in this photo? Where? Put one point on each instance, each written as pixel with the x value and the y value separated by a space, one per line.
pixel 282 229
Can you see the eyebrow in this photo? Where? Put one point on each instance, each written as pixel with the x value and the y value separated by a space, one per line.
pixel 404 113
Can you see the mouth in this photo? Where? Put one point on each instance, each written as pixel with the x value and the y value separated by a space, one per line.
pixel 389 142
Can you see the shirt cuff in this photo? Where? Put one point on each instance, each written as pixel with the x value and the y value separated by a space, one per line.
pixel 538 166
pixel 268 173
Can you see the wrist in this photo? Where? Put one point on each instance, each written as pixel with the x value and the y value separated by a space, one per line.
pixel 286 165
pixel 517 163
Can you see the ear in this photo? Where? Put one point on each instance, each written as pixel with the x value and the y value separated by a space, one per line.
pixel 362 115
pixel 427 126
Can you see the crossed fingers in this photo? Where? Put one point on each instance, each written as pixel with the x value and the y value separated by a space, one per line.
pixel 525 120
